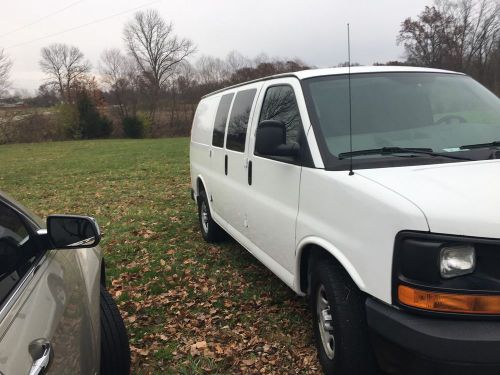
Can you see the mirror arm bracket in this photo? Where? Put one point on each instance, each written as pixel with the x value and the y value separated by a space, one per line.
pixel 43 237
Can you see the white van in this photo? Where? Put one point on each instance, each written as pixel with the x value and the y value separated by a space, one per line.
pixel 400 255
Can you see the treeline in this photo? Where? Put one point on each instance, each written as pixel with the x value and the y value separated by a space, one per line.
pixel 150 86
pixel 168 109
pixel 461 35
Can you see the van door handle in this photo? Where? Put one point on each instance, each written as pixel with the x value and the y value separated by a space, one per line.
pixel 250 172
pixel 42 353
pixel 225 165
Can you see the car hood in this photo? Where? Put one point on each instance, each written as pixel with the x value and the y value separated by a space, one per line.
pixel 460 198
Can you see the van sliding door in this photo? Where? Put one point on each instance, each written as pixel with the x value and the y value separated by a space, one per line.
pixel 234 180
pixel 216 172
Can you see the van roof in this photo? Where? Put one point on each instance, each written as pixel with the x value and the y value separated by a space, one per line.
pixel 304 74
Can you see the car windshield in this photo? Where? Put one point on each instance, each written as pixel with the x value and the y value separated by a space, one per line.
pixel 435 111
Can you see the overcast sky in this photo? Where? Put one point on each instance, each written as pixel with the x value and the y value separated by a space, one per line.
pixel 313 30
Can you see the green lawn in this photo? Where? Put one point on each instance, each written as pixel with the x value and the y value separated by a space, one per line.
pixel 190 307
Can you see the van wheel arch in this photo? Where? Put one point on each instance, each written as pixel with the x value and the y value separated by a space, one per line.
pixel 200 186
pixel 210 230
pixel 308 253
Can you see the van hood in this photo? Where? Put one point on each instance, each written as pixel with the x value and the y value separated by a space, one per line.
pixel 460 198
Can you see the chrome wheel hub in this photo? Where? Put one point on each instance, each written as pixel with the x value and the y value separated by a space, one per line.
pixel 204 217
pixel 325 322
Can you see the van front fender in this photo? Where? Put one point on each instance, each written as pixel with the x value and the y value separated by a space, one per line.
pixel 311 243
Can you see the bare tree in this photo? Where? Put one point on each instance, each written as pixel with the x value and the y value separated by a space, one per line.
pixel 426 39
pixel 156 50
pixel 473 39
pixel 5 66
pixel 64 65
pixel 212 70
pixel 261 58
pixel 485 37
pixel 236 61
pixel 119 73
pixel 187 87
pixel 461 35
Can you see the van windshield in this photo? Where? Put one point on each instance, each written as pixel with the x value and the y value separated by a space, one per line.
pixel 433 111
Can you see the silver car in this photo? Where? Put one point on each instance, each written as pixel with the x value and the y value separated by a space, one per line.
pixel 55 314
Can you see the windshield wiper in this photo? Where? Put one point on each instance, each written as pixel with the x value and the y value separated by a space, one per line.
pixel 399 150
pixel 481 145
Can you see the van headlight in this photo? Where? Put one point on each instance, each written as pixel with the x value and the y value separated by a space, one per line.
pixel 457 260
pixel 446 274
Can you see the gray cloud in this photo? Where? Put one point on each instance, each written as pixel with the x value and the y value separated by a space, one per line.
pixel 314 31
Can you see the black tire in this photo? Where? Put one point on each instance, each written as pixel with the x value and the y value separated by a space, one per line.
pixel 210 230
pixel 352 351
pixel 115 350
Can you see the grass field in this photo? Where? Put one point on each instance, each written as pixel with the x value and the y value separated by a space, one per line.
pixel 190 307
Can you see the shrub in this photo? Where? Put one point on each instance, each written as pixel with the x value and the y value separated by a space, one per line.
pixel 67 119
pixel 106 126
pixel 91 123
pixel 25 126
pixel 133 127
pixel 147 124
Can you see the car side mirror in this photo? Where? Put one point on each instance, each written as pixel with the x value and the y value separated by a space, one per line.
pixel 270 140
pixel 72 232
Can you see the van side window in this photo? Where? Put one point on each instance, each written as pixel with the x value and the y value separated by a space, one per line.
pixel 280 104
pixel 238 121
pixel 221 120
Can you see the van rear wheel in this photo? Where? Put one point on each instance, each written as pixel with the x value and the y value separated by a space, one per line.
pixel 339 321
pixel 210 230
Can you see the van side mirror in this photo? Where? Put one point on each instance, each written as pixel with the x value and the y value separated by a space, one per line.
pixel 270 140
pixel 72 232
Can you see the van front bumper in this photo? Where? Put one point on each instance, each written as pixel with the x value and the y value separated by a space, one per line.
pixel 411 344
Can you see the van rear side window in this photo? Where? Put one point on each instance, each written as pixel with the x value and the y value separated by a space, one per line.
pixel 238 122
pixel 221 120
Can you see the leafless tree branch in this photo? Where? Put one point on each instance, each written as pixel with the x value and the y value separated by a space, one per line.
pixel 5 67
pixel 156 50
pixel 64 65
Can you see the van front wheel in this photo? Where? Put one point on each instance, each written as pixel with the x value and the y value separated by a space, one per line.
pixel 339 321
pixel 210 230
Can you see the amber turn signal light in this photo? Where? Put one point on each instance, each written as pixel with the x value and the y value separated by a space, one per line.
pixel 447 302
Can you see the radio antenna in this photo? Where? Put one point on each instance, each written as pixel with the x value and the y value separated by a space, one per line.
pixel 351 172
